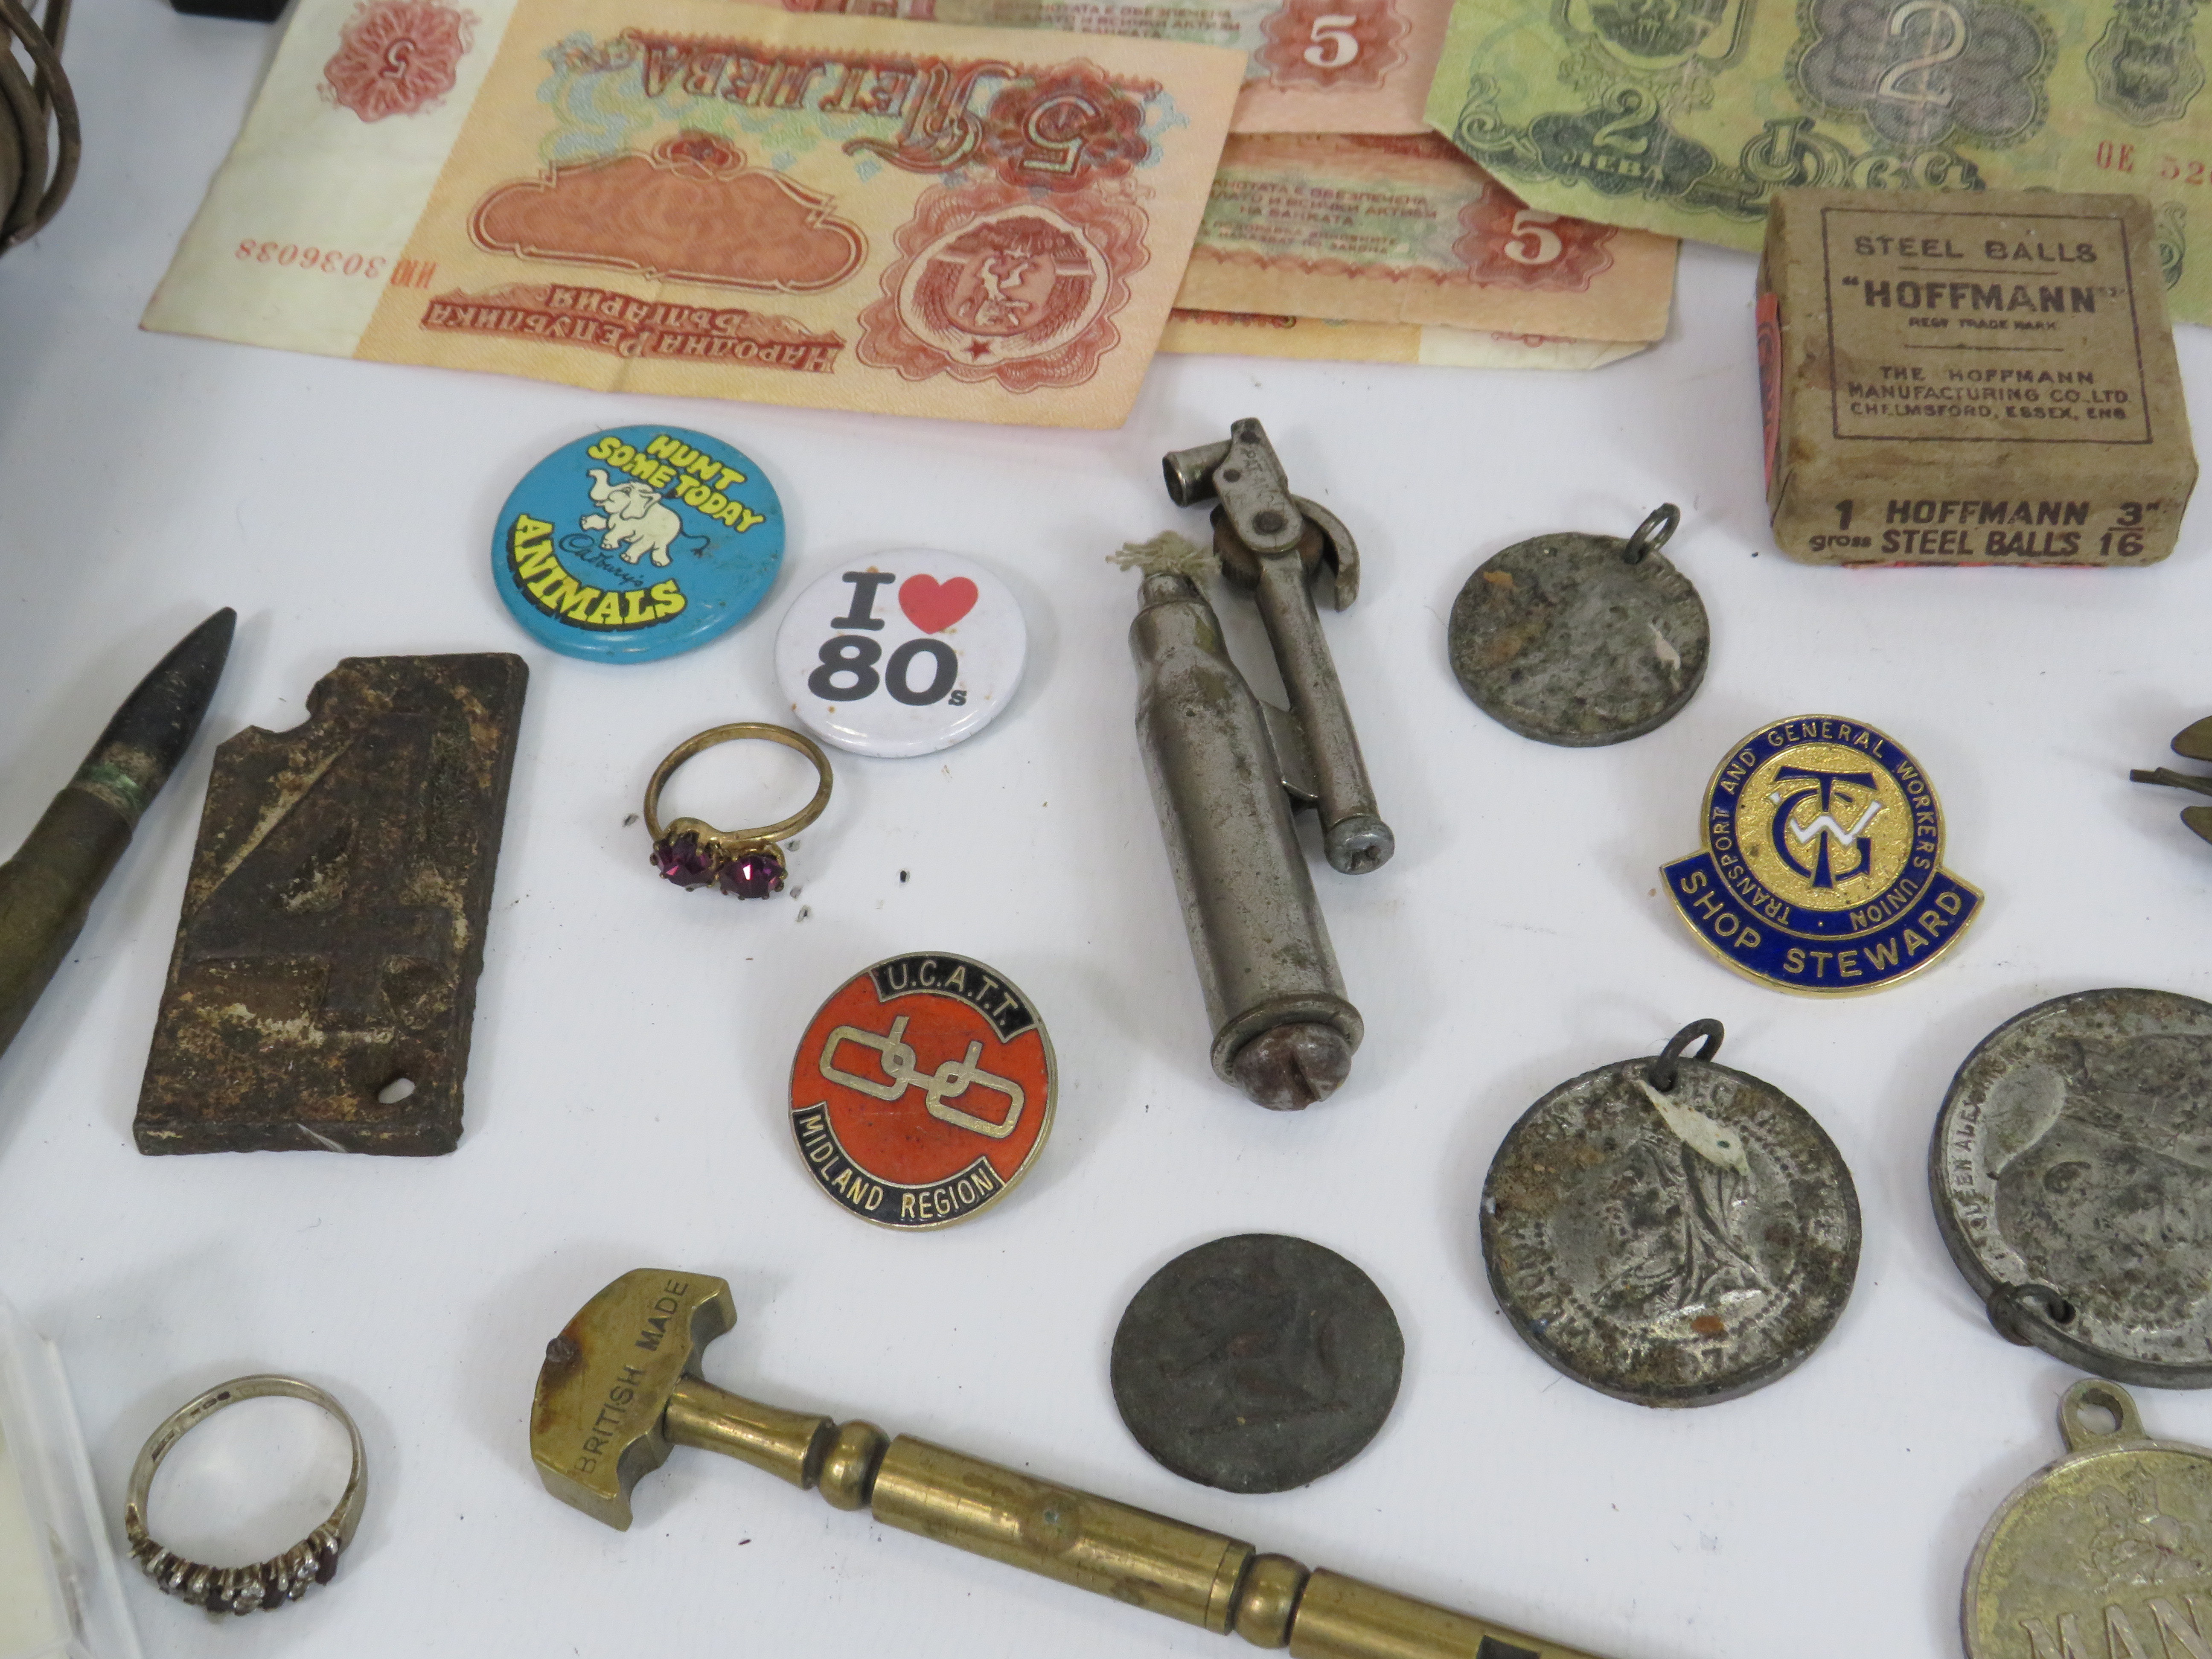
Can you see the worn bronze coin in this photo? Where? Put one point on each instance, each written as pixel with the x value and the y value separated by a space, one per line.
pixel 1670 1232
pixel 1581 640
pixel 1256 1363
pixel 2106 1551
pixel 2071 1170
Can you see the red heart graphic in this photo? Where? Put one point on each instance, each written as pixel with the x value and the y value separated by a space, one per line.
pixel 933 606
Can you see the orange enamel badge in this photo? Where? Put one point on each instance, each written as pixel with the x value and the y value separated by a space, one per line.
pixel 922 1091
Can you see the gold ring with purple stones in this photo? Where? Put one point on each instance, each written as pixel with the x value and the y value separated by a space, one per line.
pixel 745 863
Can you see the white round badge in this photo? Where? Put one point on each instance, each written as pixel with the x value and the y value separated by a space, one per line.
pixel 902 653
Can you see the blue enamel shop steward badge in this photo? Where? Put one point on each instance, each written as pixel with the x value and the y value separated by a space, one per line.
pixel 1823 867
pixel 633 544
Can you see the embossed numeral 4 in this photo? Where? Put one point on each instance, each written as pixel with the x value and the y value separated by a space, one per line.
pixel 326 881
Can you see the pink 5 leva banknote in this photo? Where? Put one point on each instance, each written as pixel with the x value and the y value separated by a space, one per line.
pixel 1407 230
pixel 1313 65
pixel 1252 334
pixel 698 198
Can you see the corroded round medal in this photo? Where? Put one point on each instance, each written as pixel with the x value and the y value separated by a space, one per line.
pixel 1581 640
pixel 1256 1363
pixel 2106 1551
pixel 922 1091
pixel 1823 865
pixel 2071 1170
pixel 1670 1232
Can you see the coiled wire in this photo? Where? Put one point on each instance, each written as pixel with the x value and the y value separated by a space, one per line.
pixel 40 140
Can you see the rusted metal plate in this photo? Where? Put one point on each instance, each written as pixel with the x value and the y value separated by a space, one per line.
pixel 325 974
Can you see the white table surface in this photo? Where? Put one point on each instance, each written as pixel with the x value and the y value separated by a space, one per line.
pixel 625 1093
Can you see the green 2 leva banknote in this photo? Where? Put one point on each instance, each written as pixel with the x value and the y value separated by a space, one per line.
pixel 1683 116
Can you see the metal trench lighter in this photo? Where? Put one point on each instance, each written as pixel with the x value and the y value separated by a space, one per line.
pixel 1226 771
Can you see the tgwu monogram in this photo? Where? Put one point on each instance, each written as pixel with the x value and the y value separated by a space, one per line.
pixel 1809 785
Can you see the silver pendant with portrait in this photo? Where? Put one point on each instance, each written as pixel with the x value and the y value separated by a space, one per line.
pixel 1670 1232
pixel 2071 1171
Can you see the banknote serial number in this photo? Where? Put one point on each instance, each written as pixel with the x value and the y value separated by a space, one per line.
pixel 338 262
pixel 2116 157
pixel 331 261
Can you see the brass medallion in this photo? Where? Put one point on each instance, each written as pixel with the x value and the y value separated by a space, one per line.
pixel 2108 1550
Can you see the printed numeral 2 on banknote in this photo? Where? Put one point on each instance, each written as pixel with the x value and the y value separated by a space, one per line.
pixel 1685 116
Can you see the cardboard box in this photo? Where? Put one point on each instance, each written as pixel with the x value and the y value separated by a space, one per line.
pixel 1969 378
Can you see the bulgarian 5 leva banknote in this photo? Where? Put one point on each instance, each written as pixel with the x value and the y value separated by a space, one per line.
pixel 1407 231
pixel 1312 66
pixel 1686 115
pixel 703 199
pixel 1252 334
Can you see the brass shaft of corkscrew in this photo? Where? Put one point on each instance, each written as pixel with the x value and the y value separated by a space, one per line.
pixel 620 1388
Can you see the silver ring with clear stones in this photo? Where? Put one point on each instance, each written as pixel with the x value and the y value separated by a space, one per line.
pixel 282 1577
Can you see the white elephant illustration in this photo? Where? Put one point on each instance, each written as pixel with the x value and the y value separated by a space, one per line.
pixel 632 514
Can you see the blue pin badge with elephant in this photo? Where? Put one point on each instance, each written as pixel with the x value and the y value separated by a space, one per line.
pixel 637 543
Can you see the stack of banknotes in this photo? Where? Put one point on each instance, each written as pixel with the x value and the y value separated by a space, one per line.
pixel 974 209
pixel 1339 226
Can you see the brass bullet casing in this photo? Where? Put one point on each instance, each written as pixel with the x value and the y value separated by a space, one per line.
pixel 48 888
pixel 621 1386
pixel 46 892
